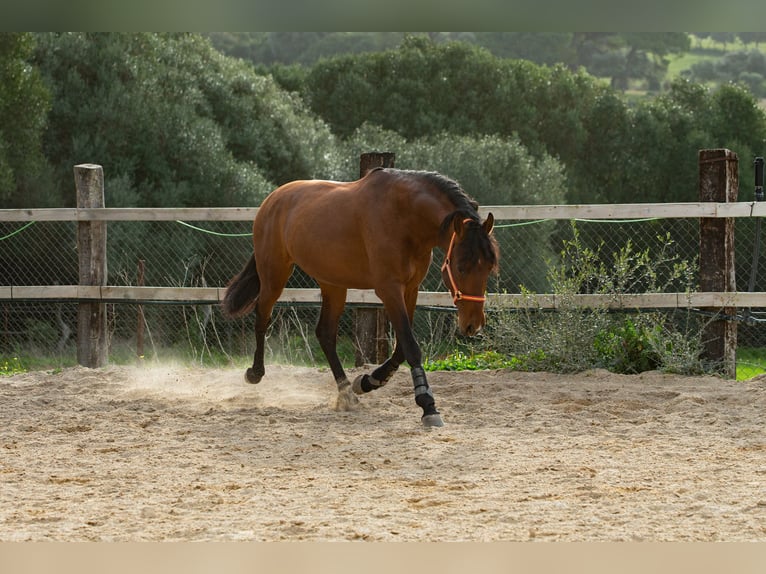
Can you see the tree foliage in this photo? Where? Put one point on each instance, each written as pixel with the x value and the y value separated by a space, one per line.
pixel 173 121
pixel 746 68
pixel 612 151
pixel 24 104
pixel 620 56
pixel 270 48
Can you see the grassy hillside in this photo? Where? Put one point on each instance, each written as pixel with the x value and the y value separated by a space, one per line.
pixel 711 51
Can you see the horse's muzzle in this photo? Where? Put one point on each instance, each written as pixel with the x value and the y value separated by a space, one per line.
pixel 471 327
pixel 470 331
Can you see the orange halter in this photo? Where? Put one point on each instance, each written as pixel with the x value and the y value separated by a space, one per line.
pixel 457 294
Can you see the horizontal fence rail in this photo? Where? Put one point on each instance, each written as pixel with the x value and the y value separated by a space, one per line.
pixel 211 295
pixel 501 212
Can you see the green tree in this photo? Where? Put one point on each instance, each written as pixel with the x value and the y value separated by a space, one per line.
pixel 612 151
pixel 599 168
pixel 173 121
pixel 737 121
pixel 418 89
pixel 425 89
pixel 723 37
pixel 628 56
pixel 752 37
pixel 539 47
pixel 24 104
pixel 747 68
pixel 270 48
pixel 252 46
pixel 670 130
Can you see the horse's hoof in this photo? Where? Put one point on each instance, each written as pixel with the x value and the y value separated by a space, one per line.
pixel 434 420
pixel 365 383
pixel 346 400
pixel 356 386
pixel 253 377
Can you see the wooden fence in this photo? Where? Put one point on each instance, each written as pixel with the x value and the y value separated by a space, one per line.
pixel 716 211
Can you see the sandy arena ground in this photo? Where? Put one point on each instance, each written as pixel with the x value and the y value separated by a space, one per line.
pixel 173 453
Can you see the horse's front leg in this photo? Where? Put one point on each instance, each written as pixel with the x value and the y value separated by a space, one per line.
pixel 424 397
pixel 407 348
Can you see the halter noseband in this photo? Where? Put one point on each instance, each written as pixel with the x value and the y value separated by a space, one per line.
pixel 457 295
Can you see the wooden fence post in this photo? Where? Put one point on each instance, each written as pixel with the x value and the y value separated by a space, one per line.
pixel 718 182
pixel 370 323
pixel 92 348
pixel 140 320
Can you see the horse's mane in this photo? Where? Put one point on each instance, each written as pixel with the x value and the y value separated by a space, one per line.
pixel 449 187
pixel 466 208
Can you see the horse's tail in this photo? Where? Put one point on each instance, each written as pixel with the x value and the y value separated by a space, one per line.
pixel 242 291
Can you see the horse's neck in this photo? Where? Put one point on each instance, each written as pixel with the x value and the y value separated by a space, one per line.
pixel 433 210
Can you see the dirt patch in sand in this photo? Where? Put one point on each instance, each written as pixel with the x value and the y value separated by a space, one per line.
pixel 173 453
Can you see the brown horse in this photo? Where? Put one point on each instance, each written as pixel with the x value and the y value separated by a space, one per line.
pixel 375 233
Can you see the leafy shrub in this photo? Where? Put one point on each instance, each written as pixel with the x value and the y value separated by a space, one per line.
pixel 575 338
pixel 627 347
pixel 460 361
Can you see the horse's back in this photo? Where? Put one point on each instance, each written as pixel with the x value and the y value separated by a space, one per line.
pixel 307 206
pixel 317 225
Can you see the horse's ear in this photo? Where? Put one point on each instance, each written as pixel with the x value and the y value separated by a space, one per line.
pixel 488 223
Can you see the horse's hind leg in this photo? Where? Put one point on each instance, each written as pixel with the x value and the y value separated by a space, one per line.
pixel 333 302
pixel 255 373
pixel 272 284
pixel 380 376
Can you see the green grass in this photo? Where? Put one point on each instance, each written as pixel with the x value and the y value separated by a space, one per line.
pixel 706 50
pixel 751 361
pixel 461 361
pixel 23 362
pixel 11 366
pixel 685 61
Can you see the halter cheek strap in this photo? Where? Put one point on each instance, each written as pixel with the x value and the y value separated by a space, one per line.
pixel 457 294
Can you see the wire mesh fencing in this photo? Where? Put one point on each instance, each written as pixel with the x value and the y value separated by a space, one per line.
pixel 209 253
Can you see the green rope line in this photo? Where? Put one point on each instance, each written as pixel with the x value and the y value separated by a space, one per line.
pixel 619 220
pixel 496 226
pixel 214 232
pixel 523 223
pixel 19 230
pixel 520 224
pixel 580 220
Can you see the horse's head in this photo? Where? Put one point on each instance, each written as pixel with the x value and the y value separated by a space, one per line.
pixel 471 256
